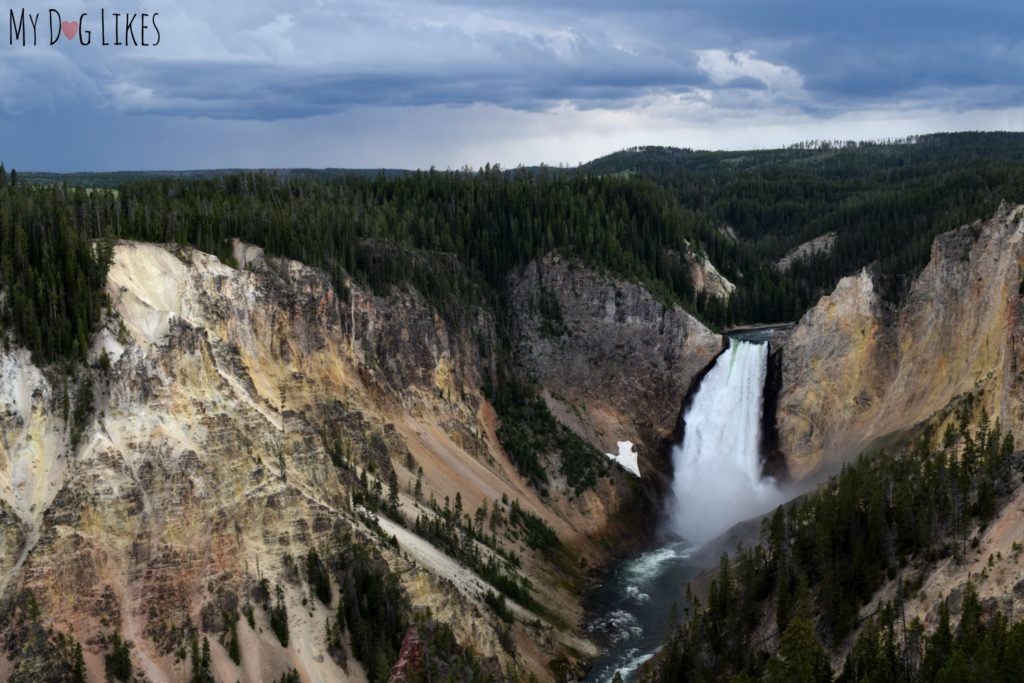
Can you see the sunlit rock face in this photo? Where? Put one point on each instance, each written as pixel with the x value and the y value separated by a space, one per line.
pixel 208 460
pixel 856 370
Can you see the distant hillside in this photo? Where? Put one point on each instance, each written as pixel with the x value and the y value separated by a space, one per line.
pixel 886 201
pixel 113 179
pixel 832 157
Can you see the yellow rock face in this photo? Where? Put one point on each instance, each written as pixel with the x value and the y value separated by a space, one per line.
pixel 855 370
pixel 206 463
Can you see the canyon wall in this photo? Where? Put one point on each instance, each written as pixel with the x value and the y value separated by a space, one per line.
pixel 230 415
pixel 857 370
pixel 613 361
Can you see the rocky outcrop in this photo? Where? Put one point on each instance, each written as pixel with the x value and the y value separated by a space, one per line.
pixel 613 361
pixel 822 244
pixel 728 232
pixel 856 370
pixel 706 278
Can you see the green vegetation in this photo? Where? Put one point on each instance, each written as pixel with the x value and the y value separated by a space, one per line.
pixel 413 229
pixel 44 654
pixel 41 652
pixel 455 236
pixel 277 611
pixel 319 581
pixel 528 429
pixel 118 660
pixel 233 646
pixel 537 533
pixel 278 615
pixel 497 603
pixel 200 661
pixel 51 272
pixel 984 647
pixel 823 558
pixel 885 200
pixel 378 615
pixel 453 531
pixel 373 608
pixel 290 676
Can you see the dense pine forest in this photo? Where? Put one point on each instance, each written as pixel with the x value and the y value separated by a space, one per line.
pixel 632 213
pixel 383 231
pixel 780 610
pixel 52 267
pixel 886 201
pixel 454 236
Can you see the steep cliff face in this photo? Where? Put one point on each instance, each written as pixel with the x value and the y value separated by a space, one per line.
pixel 227 438
pixel 614 362
pixel 855 370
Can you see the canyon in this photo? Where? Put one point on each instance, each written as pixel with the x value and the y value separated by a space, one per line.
pixel 200 463
pixel 234 408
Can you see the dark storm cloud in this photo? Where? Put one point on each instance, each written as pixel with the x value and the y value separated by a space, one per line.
pixel 253 82
pixel 272 91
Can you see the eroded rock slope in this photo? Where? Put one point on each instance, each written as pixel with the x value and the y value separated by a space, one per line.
pixel 228 436
pixel 856 370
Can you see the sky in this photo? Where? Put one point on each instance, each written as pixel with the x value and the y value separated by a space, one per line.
pixel 403 84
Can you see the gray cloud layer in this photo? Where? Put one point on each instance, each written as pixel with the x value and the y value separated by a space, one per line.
pixel 396 82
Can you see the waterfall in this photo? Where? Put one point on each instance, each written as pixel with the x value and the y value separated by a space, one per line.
pixel 718 478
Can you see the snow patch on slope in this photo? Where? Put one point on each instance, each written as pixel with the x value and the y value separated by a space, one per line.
pixel 627 457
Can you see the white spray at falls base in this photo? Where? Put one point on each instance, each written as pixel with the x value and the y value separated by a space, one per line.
pixel 718 478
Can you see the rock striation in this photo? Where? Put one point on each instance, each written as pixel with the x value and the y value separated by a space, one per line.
pixel 856 370
pixel 220 433
pixel 614 362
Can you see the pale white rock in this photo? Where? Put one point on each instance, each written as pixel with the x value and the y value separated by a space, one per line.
pixel 822 244
pixel 707 279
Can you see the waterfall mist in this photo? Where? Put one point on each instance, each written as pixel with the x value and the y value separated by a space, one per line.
pixel 718 478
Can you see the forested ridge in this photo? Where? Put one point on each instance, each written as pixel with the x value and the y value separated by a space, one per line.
pixel 455 236
pixel 632 213
pixel 886 201
pixel 381 231
pixel 781 610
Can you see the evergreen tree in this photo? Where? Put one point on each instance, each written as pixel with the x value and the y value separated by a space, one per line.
pixel 118 658
pixel 801 657
pixel 393 492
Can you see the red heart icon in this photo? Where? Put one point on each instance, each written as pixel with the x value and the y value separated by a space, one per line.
pixel 70 28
